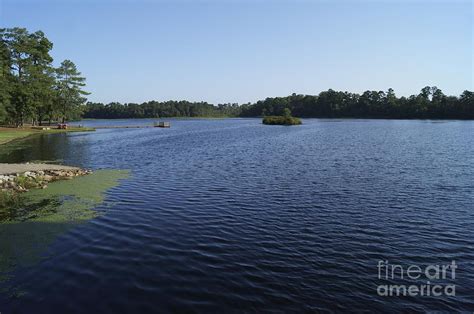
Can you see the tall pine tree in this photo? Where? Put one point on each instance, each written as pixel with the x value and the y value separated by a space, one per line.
pixel 70 95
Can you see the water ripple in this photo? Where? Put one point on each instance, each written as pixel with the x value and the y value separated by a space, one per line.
pixel 232 216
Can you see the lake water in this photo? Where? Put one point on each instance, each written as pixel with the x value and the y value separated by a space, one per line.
pixel 231 215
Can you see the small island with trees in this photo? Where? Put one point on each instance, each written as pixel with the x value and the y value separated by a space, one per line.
pixel 284 119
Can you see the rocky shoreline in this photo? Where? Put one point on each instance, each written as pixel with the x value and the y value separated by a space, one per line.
pixel 23 181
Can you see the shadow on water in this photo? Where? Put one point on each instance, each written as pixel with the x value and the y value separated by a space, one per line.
pixel 22 245
pixel 43 215
pixel 35 147
pixel 45 148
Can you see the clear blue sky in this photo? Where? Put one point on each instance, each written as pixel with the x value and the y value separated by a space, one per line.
pixel 239 51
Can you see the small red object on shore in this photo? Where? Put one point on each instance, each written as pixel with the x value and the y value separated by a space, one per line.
pixel 62 126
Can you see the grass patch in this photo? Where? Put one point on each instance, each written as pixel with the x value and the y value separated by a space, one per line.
pixel 7 135
pixel 28 182
pixel 10 134
pixel 8 200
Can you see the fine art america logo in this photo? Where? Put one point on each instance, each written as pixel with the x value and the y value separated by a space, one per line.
pixel 432 280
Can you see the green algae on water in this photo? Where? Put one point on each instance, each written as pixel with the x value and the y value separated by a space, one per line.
pixel 65 200
pixel 74 200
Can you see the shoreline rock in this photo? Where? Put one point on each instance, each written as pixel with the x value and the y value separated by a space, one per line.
pixel 23 181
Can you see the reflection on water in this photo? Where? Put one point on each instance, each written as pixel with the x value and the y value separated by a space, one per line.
pixel 52 148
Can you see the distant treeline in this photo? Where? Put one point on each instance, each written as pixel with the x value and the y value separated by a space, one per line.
pixel 32 90
pixel 430 103
pixel 155 109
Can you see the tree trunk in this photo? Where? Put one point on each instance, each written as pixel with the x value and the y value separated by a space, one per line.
pixel 64 112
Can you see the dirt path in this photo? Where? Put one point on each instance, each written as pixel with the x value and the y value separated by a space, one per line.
pixel 21 168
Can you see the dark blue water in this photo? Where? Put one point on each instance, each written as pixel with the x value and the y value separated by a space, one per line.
pixel 231 216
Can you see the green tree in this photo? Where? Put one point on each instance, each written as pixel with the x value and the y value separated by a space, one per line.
pixel 18 43
pixel 43 94
pixel 5 64
pixel 29 67
pixel 70 96
pixel 465 105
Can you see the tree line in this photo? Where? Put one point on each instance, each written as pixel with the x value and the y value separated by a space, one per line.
pixel 430 103
pixel 155 109
pixel 32 90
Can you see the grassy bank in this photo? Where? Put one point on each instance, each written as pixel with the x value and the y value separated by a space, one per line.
pixel 10 134
pixel 7 135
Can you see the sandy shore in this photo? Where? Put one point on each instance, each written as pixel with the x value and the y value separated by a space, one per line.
pixel 6 169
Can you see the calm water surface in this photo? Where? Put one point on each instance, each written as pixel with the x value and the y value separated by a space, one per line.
pixel 230 215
